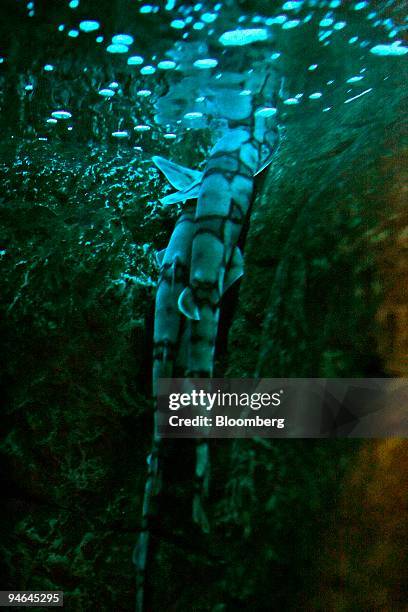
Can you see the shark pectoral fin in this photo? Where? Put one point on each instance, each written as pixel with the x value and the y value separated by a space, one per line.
pixel 187 305
pixel 190 193
pixel 235 270
pixel 265 164
pixel 160 256
pixel 178 176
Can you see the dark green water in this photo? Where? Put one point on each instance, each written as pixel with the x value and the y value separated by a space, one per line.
pixel 81 222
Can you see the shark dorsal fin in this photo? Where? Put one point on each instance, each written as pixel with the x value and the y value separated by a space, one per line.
pixel 179 176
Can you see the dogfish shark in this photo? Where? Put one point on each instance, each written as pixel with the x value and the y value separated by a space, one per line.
pixel 200 263
pixel 174 264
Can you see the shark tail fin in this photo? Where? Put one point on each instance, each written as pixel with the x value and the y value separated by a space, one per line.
pixel 190 193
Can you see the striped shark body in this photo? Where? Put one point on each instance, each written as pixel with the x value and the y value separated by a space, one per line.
pixel 200 263
pixel 224 199
pixel 224 193
pixel 174 264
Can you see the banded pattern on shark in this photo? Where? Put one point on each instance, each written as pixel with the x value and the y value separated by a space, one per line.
pixel 174 264
pixel 201 261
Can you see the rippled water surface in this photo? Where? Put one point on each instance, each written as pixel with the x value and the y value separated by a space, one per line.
pixel 145 75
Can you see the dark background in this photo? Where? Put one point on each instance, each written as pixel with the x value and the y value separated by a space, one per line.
pixel 317 525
